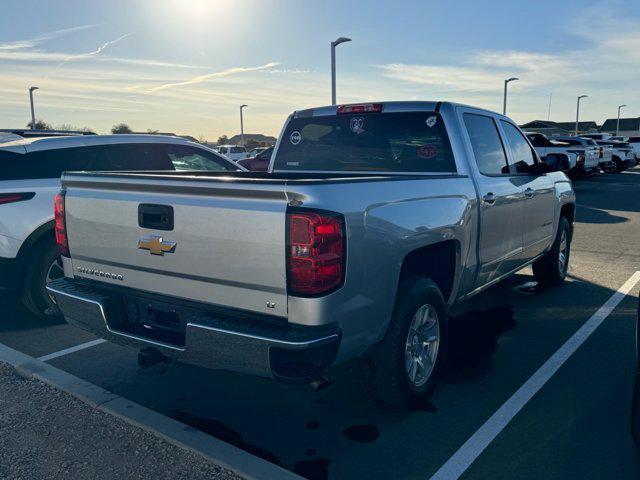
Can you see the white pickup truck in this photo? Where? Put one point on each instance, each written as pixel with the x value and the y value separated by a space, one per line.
pixel 582 154
pixel 372 221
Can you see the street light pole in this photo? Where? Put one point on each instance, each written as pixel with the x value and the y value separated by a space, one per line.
pixel 334 44
pixel 241 125
pixel 33 115
pixel 618 121
pixel 504 100
pixel 578 112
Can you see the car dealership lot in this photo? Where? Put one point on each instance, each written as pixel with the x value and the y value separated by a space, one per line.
pixel 576 426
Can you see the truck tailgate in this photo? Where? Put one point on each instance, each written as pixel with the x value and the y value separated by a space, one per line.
pixel 226 247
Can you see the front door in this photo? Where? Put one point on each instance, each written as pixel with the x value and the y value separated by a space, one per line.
pixel 539 193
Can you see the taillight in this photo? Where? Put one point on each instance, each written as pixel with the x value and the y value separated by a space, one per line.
pixel 601 152
pixel 60 224
pixel 15 197
pixel 360 108
pixel 316 253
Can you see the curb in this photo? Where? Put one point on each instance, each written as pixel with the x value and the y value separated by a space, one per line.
pixel 174 432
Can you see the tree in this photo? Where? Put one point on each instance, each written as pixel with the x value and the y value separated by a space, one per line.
pixel 202 139
pixel 40 125
pixel 68 126
pixel 121 128
pixel 153 132
pixel 223 140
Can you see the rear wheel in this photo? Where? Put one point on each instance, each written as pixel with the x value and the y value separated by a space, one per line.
pixel 552 269
pixel 43 266
pixel 405 366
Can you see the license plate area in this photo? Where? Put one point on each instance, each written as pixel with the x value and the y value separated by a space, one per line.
pixel 157 321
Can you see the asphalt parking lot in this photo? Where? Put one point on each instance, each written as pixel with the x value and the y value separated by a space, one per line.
pixel 575 427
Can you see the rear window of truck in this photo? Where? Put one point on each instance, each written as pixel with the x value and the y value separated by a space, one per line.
pixel 411 142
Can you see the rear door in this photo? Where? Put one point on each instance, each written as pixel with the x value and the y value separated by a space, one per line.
pixel 538 189
pixel 501 210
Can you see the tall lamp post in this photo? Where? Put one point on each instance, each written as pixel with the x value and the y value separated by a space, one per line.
pixel 618 121
pixel 578 112
pixel 33 115
pixel 334 44
pixel 504 100
pixel 242 125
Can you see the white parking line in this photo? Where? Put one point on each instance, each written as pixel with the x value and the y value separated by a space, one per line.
pixel 69 350
pixel 475 445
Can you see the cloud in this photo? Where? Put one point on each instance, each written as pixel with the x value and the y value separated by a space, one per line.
pixel 32 42
pixel 209 76
pixel 95 52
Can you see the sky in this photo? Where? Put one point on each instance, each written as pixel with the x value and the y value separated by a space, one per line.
pixel 185 66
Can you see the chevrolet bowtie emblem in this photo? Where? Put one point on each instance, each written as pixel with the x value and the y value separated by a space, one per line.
pixel 156 245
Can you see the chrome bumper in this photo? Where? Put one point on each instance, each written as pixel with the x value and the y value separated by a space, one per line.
pixel 219 341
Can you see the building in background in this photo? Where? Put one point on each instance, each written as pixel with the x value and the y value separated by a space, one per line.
pixel 629 127
pixel 253 140
pixel 559 128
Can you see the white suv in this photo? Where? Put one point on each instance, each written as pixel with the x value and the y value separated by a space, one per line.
pixel 232 152
pixel 30 170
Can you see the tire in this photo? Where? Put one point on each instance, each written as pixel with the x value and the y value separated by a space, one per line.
pixel 551 270
pixel 619 164
pixel 390 378
pixel 41 260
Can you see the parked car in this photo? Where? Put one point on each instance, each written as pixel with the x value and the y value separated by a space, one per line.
pixel 30 170
pixel 621 153
pixel 374 220
pixel 606 163
pixel 254 152
pixel 259 163
pixel 582 157
pixel 597 136
pixel 232 152
pixel 635 404
pixel 587 149
pixel 634 143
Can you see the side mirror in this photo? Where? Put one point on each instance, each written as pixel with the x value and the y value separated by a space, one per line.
pixel 556 162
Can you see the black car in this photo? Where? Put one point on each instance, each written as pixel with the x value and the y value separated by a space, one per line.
pixel 635 408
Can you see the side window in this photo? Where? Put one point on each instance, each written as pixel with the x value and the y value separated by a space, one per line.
pixel 137 156
pixel 50 163
pixel 190 158
pixel 487 147
pixel 522 156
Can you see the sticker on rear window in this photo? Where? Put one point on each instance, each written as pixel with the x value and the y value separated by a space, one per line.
pixel 427 151
pixel 295 137
pixel 431 121
pixel 357 125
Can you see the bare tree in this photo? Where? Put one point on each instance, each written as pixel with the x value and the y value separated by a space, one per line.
pixel 40 125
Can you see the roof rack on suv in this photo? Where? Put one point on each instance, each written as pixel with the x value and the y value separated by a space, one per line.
pixel 26 133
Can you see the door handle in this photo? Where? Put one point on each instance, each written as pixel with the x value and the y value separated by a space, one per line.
pixel 489 198
pixel 529 192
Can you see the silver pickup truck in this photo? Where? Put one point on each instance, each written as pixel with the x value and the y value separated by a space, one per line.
pixel 371 223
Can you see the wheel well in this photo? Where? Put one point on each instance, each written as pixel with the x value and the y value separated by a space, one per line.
pixel 437 262
pixel 32 240
pixel 569 212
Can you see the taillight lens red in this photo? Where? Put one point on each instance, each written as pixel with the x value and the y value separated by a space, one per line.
pixel 360 108
pixel 15 197
pixel 60 224
pixel 316 253
pixel 601 152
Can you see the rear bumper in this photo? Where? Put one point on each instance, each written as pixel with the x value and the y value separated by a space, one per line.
pixel 207 338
